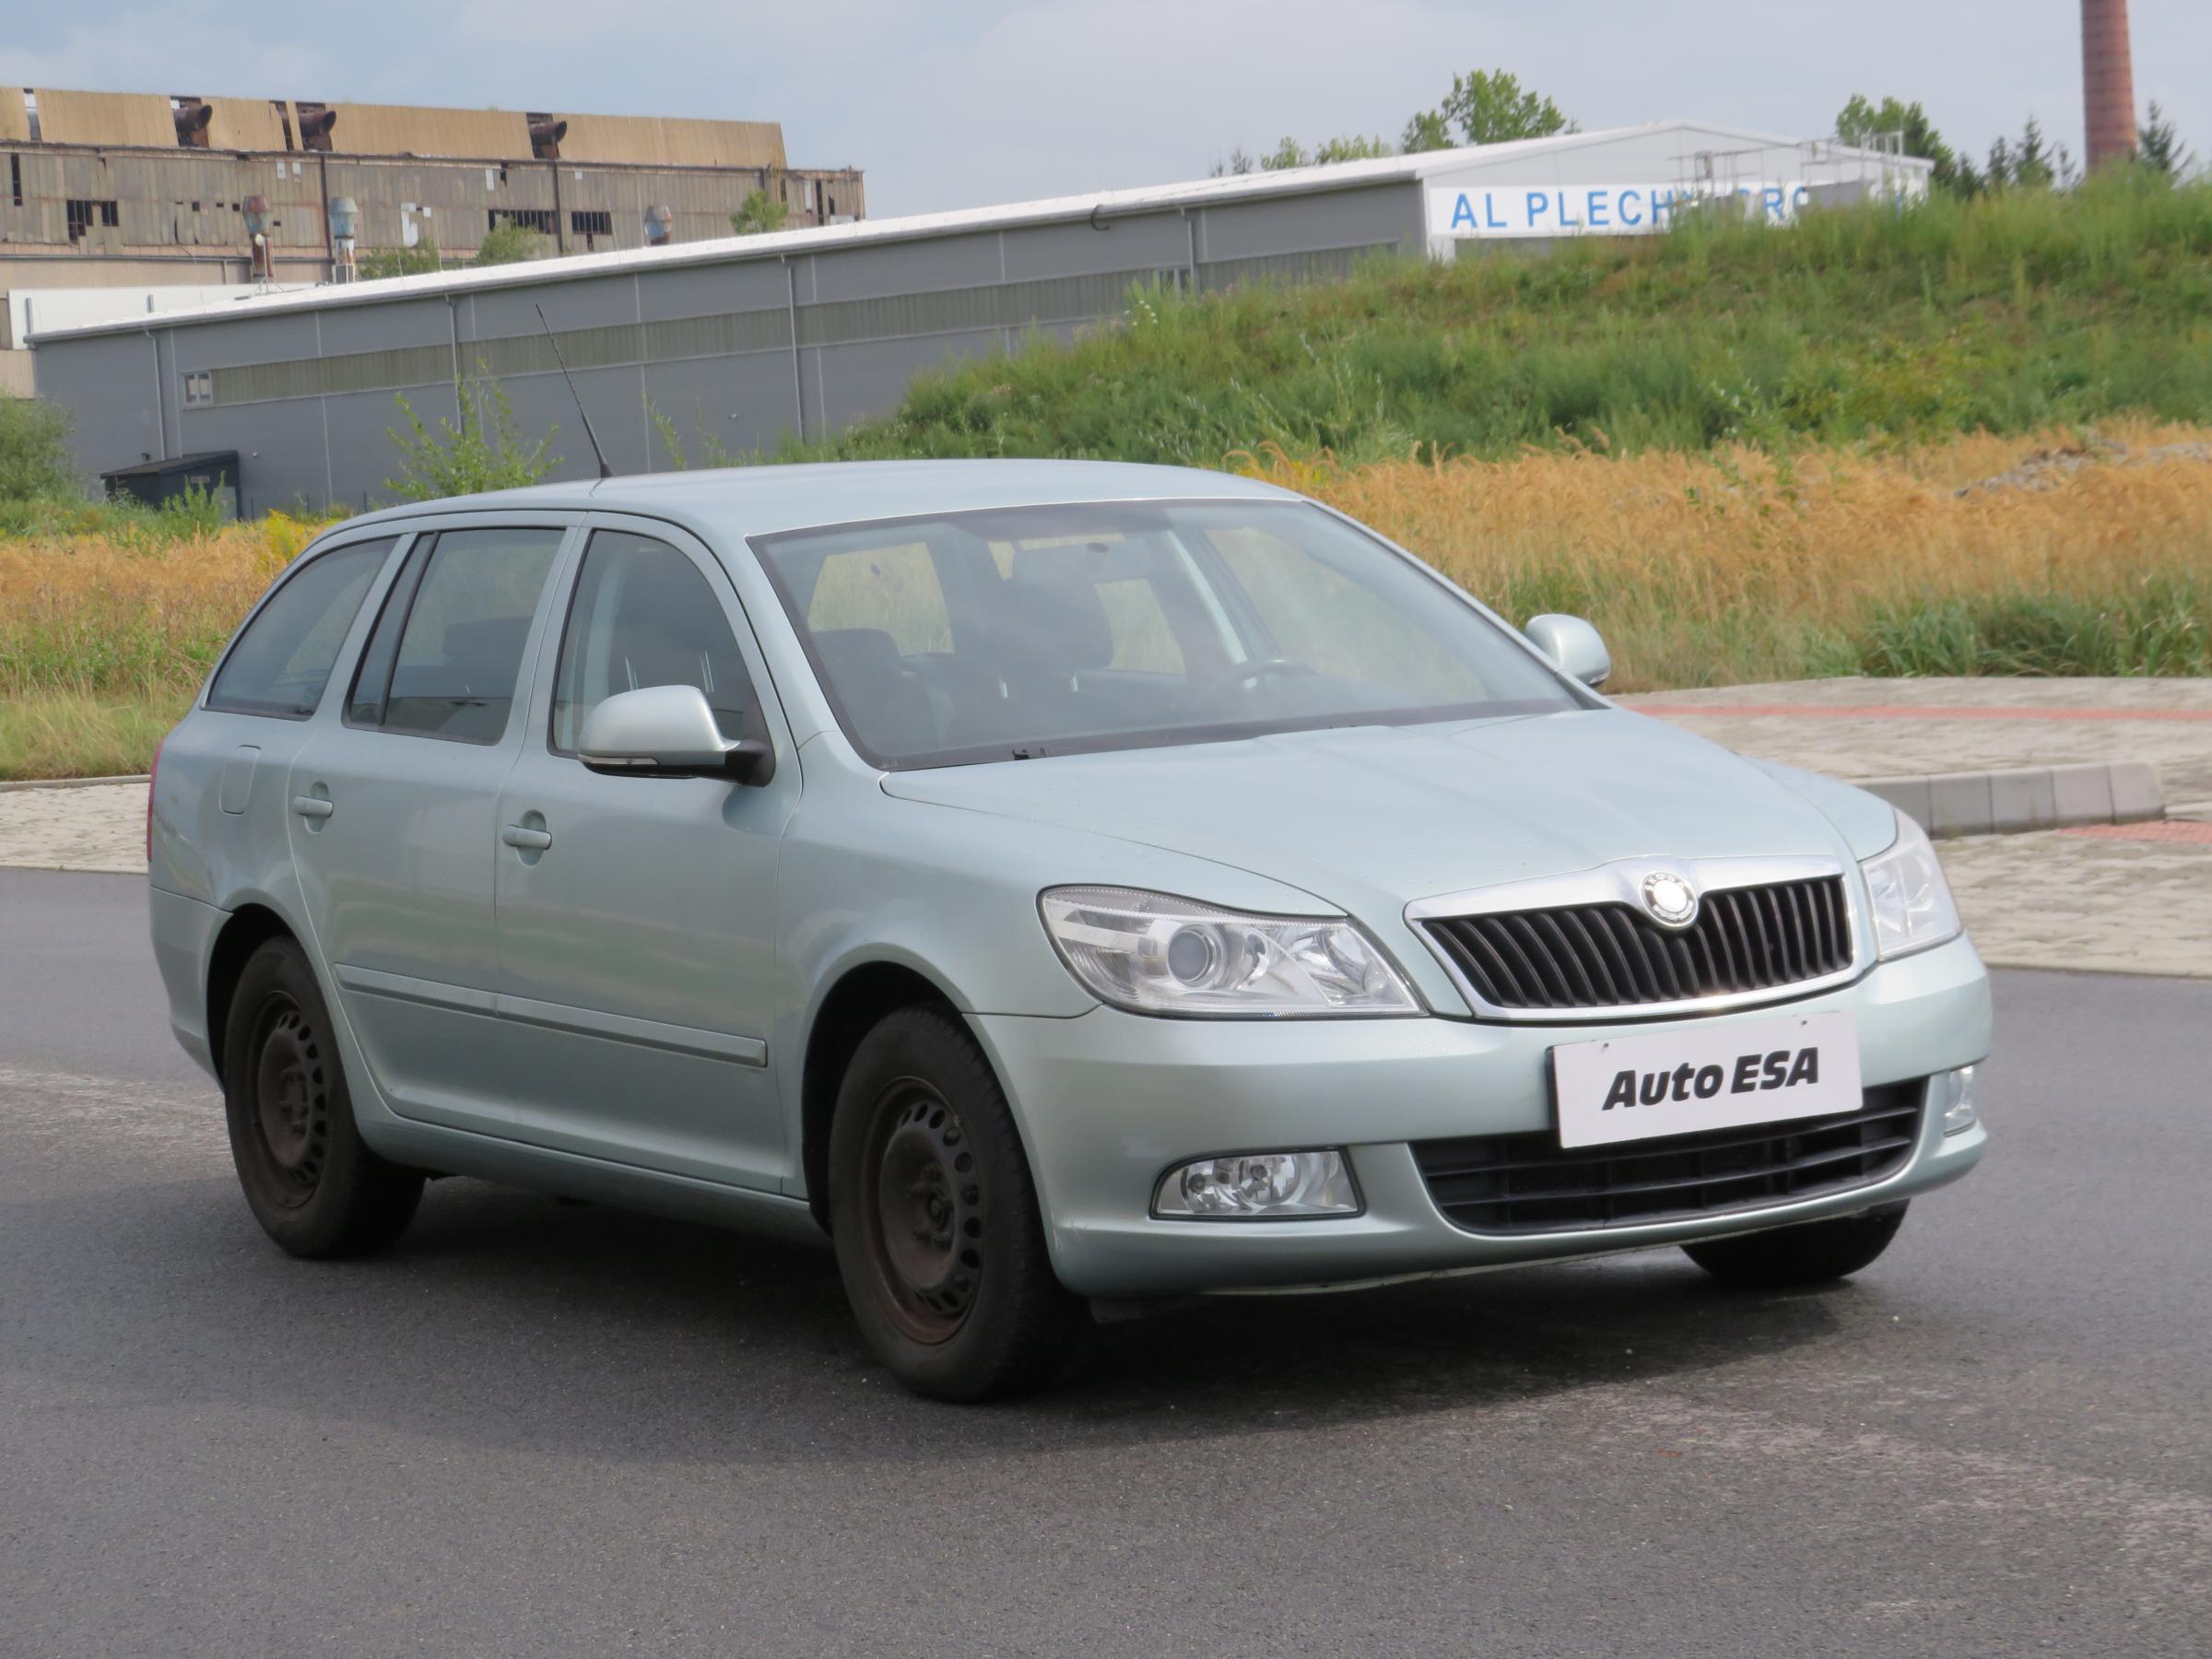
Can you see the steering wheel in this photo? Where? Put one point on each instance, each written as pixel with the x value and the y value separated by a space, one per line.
pixel 1250 674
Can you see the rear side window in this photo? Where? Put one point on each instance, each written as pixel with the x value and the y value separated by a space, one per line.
pixel 448 651
pixel 283 660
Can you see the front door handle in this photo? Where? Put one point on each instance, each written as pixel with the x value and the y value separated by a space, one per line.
pixel 312 806
pixel 526 840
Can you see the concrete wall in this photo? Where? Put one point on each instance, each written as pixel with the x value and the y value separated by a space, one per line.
pixel 736 351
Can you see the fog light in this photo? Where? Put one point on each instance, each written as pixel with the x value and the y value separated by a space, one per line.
pixel 1258 1186
pixel 1961 1100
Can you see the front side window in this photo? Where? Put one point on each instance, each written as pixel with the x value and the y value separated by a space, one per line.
pixel 1017 632
pixel 447 651
pixel 283 660
pixel 644 614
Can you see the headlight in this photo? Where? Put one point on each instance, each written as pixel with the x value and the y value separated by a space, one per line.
pixel 1153 953
pixel 1912 908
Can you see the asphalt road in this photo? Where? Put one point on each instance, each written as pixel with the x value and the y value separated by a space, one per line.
pixel 539 1430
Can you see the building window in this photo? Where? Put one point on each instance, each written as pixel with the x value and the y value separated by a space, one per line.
pixel 199 388
pixel 539 220
pixel 591 221
pixel 108 215
pixel 83 215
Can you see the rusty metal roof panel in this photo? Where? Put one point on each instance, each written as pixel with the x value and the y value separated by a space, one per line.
pixel 408 130
pixel 245 124
pixel 134 118
pixel 672 141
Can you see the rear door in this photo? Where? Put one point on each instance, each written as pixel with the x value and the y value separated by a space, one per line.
pixel 394 806
pixel 637 915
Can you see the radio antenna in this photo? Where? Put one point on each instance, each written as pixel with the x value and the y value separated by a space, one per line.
pixel 553 340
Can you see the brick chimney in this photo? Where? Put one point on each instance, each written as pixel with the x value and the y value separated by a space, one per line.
pixel 2107 81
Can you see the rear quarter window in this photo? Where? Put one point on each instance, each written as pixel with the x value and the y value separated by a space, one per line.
pixel 281 663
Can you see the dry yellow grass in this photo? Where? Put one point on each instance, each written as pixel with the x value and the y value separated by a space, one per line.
pixel 102 640
pixel 1734 566
pixel 1700 568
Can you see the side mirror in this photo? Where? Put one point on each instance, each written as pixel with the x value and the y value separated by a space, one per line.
pixel 1573 645
pixel 668 730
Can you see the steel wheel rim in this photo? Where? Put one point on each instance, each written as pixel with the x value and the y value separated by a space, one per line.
pixel 921 1211
pixel 291 1100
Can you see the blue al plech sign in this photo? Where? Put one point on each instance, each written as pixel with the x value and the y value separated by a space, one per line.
pixel 1600 209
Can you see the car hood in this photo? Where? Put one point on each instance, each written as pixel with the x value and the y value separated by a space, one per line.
pixel 1369 818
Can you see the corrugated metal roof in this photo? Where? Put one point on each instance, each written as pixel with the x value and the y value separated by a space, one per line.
pixel 672 141
pixel 135 118
pixel 411 130
pixel 244 124
pixel 15 119
pixel 1099 207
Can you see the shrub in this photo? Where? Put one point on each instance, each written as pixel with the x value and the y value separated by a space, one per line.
pixel 34 452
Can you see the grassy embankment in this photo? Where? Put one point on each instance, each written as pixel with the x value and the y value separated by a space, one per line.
pixel 108 622
pixel 1740 452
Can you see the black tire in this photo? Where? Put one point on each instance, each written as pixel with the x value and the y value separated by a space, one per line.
pixel 310 1179
pixel 935 1219
pixel 1813 1252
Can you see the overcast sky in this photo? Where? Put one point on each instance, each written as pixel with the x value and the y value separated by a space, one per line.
pixel 951 105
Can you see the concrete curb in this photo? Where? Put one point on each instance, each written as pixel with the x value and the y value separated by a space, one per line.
pixel 69 782
pixel 2034 797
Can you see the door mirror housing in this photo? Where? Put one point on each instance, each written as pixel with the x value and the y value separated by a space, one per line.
pixel 668 732
pixel 1574 647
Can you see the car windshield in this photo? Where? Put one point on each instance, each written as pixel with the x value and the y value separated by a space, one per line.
pixel 1019 632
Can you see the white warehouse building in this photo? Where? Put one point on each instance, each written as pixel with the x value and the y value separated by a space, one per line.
pixel 738 341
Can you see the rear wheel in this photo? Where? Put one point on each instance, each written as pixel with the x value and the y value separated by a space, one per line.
pixel 1812 1253
pixel 935 1219
pixel 310 1179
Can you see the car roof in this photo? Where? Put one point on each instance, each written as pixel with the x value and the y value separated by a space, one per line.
pixel 730 503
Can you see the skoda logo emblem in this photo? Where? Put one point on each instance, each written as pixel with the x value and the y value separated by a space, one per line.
pixel 1670 899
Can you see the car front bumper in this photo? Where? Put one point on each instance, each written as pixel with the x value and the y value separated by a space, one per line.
pixel 1108 1101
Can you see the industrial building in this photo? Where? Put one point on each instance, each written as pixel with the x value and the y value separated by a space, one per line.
pixel 138 194
pixel 734 343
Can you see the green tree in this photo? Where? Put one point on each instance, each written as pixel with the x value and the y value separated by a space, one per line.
pixel 478 451
pixel 1428 130
pixel 1354 146
pixel 2158 144
pixel 399 262
pixel 1487 106
pixel 508 242
pixel 1862 120
pixel 759 212
pixel 34 451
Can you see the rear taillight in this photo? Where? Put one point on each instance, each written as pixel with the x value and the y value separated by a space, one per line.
pixel 151 778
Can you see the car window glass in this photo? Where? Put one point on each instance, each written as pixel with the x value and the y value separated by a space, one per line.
pixel 461 650
pixel 1009 633
pixel 1316 614
pixel 887 590
pixel 644 614
pixel 283 658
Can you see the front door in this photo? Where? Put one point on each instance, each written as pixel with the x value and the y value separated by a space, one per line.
pixel 393 816
pixel 637 915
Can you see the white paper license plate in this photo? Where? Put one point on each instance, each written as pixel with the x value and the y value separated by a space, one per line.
pixel 1682 1080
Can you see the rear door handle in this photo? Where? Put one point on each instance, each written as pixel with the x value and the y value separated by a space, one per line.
pixel 312 806
pixel 526 840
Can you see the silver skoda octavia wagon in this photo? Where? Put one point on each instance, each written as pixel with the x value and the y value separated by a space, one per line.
pixel 1053 885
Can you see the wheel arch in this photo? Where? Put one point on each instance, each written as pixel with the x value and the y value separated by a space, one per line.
pixel 251 926
pixel 862 995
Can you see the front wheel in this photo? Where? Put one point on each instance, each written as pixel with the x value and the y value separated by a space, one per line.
pixel 1812 1253
pixel 310 1179
pixel 936 1220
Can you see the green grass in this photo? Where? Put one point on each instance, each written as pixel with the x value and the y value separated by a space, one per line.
pixel 2008 314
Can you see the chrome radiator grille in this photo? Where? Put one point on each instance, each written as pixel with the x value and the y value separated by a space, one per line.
pixel 1599 956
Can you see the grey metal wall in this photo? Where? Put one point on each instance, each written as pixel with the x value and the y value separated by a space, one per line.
pixel 737 351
